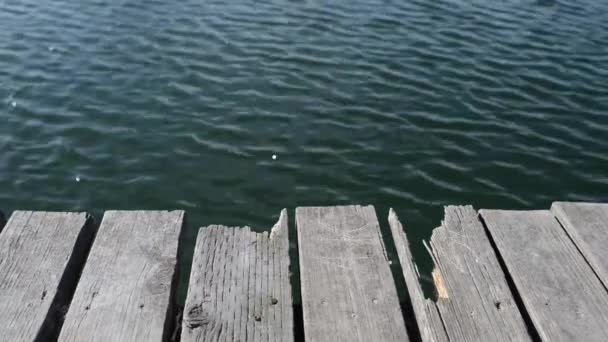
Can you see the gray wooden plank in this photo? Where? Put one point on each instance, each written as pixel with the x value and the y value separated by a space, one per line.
pixel 126 291
pixel 427 316
pixel 41 255
pixel 239 286
pixel 561 293
pixel 242 280
pixel 251 281
pixel 348 293
pixel 264 288
pixel 219 265
pixel 233 289
pixel 258 286
pixel 280 246
pixel 477 304
pixel 587 225
pixel 271 278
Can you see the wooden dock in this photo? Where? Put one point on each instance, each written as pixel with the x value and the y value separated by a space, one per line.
pixel 499 275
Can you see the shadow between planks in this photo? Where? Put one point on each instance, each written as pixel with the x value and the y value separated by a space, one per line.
pixel 425 318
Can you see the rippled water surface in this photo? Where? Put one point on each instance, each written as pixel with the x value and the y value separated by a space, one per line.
pixel 411 104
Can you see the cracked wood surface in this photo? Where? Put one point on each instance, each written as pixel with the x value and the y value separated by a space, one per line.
pixel 587 225
pixel 41 255
pixel 479 304
pixel 239 286
pixel 475 302
pixel 348 292
pixel 426 313
pixel 126 290
pixel 561 293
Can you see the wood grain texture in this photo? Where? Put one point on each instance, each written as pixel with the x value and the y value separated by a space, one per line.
pixel 561 293
pixel 41 256
pixel 587 225
pixel 478 304
pixel 239 286
pixel 126 289
pixel 348 292
pixel 427 316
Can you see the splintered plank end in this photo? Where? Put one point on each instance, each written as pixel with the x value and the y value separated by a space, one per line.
pixel 239 286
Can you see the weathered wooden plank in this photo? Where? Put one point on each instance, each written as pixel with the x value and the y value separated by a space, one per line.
pixel 239 286
pixel 428 319
pixel 587 225
pixel 476 302
pixel 348 293
pixel 561 293
pixel 126 291
pixel 41 255
pixel 280 246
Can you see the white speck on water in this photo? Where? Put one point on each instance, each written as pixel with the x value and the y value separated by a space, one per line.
pixel 274 157
pixel 14 104
pixel 51 48
pixel 77 179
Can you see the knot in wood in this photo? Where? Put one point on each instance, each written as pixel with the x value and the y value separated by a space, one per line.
pixel 196 317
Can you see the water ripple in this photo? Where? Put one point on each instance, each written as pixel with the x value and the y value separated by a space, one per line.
pixel 409 104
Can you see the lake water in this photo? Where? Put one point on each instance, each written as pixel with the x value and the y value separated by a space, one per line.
pixel 413 104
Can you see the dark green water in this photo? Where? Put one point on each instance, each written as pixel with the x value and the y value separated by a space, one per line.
pixel 411 104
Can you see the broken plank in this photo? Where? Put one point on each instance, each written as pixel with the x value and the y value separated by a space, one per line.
pixel 348 292
pixel 41 256
pixel 239 287
pixel 427 317
pixel 477 304
pixel 587 225
pixel 562 295
pixel 126 291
